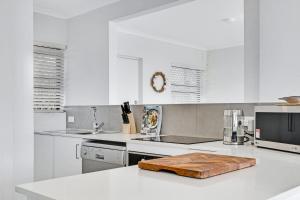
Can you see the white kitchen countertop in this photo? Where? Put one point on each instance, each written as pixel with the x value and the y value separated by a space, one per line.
pixel 276 172
pixel 116 137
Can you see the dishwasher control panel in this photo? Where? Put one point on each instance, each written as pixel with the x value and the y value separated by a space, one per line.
pixel 108 152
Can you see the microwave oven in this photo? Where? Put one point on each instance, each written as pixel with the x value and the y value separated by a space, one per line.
pixel 278 127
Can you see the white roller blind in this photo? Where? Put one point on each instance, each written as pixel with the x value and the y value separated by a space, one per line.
pixel 186 84
pixel 48 78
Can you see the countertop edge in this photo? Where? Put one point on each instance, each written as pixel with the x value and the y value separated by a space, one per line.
pixel 31 194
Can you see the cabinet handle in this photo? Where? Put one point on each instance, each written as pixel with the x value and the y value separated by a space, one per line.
pixel 290 122
pixel 77 145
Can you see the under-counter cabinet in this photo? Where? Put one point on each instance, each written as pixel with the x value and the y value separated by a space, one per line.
pixel 43 157
pixel 56 156
pixel 67 160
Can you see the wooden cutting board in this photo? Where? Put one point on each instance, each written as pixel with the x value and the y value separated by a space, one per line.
pixel 198 165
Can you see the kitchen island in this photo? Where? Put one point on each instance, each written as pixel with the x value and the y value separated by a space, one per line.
pixel 275 173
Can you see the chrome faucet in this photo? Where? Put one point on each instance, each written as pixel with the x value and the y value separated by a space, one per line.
pixel 97 127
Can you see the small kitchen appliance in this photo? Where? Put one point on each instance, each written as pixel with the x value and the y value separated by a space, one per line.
pixel 233 132
pixel 278 127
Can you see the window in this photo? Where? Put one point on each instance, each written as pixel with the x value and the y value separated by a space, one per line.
pixel 186 84
pixel 48 77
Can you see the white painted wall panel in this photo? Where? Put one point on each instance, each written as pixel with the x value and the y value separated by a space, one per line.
pixel 156 56
pixel 50 29
pixel 87 81
pixel 225 75
pixel 49 121
pixel 16 80
pixel 251 43
pixel 6 114
pixel 89 51
pixel 279 49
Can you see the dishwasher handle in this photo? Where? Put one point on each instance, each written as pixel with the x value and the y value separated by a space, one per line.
pixel 98 156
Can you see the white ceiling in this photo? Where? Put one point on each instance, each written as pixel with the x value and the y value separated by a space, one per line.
pixel 68 8
pixel 203 24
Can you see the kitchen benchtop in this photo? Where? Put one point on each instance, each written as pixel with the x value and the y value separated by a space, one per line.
pixel 276 172
pixel 116 136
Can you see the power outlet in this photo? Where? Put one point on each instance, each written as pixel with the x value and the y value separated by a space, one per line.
pixel 71 119
pixel 249 122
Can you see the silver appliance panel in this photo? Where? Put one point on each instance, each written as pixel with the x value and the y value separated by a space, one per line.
pixel 277 127
pixel 278 146
pixel 97 156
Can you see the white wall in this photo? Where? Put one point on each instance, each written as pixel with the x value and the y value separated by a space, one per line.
pixel 225 75
pixel 49 29
pixel 156 56
pixel 87 81
pixel 16 80
pixel 49 121
pixel 6 115
pixel 89 43
pixel 279 49
pixel 54 30
pixel 224 72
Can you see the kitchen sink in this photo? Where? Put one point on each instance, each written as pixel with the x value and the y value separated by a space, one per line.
pixel 82 132
pixel 79 132
pixel 87 132
pixel 108 132
pixel 75 131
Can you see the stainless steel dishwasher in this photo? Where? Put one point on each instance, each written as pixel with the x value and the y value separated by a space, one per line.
pixel 101 155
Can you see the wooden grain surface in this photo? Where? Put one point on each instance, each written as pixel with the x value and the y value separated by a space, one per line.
pixel 198 165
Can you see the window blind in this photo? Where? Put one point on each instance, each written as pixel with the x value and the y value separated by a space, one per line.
pixel 186 84
pixel 48 78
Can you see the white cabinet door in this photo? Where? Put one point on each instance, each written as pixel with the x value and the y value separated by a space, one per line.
pixel 67 160
pixel 43 157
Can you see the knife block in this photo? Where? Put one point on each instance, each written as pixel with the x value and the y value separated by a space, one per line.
pixel 132 123
pixel 126 128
